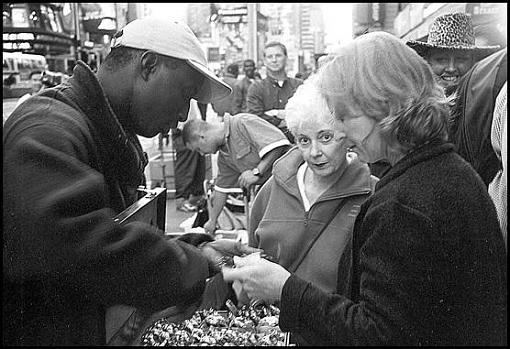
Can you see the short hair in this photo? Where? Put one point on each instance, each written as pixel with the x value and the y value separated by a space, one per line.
pixel 192 129
pixel 307 102
pixel 273 44
pixel 378 76
pixel 120 57
pixel 233 69
pixel 34 73
pixel 250 61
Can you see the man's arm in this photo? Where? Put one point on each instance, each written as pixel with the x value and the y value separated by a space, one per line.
pixel 58 226
pixel 217 202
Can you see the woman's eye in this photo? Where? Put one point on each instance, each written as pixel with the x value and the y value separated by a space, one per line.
pixel 303 140
pixel 326 137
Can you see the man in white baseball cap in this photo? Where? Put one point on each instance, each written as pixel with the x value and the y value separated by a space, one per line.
pixel 176 40
pixel 72 162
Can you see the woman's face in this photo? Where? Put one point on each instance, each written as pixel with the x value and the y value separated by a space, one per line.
pixel 323 146
pixel 364 133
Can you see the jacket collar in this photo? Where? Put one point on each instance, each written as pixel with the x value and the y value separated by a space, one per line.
pixel 420 154
pixel 89 95
pixel 355 180
pixel 275 81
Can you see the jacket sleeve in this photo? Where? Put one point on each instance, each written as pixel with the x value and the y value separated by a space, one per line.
pixel 257 211
pixel 58 226
pixel 255 103
pixel 394 263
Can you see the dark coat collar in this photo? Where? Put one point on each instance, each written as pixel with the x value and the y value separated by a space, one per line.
pixel 122 149
pixel 420 154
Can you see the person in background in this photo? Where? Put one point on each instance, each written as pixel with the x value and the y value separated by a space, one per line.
pixel 247 145
pixel 450 49
pixel 472 113
pixel 241 88
pixel 189 168
pixel 72 162
pixel 36 86
pixel 225 105
pixel 498 186
pixel 268 98
pixel 427 264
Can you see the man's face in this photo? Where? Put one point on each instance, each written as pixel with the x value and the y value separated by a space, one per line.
pixel 449 66
pixel 274 59
pixel 35 79
pixel 249 69
pixel 162 99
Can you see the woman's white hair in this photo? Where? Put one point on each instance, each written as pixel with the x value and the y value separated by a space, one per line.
pixel 307 103
pixel 378 76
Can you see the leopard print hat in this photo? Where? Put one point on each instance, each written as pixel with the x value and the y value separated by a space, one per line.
pixel 451 31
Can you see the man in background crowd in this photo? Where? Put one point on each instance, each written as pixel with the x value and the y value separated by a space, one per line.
pixel 247 145
pixel 241 88
pixel 268 98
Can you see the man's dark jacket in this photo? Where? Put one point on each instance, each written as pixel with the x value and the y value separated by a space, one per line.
pixel 428 264
pixel 69 168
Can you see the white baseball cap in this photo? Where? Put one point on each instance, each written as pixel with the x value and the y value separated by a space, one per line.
pixel 175 40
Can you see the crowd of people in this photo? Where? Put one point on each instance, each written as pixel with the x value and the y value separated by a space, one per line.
pixel 380 181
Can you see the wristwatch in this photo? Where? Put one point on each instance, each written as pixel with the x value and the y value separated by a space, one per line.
pixel 256 172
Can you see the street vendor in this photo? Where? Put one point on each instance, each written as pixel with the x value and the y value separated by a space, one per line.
pixel 247 145
pixel 72 162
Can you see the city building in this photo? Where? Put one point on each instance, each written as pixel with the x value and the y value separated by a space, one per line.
pixel 374 16
pixel 64 32
pixel 300 27
pixel 489 20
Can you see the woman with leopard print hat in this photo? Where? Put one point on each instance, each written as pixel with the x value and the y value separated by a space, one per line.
pixel 450 49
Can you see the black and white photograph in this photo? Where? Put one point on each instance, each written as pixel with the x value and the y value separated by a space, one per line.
pixel 254 174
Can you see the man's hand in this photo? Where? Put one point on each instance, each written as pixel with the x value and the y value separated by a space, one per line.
pixel 222 251
pixel 247 178
pixel 210 226
pixel 258 278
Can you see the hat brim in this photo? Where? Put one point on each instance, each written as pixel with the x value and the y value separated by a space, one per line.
pixel 212 88
pixel 423 47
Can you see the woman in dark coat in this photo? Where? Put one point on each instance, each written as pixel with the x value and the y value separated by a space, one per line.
pixel 428 261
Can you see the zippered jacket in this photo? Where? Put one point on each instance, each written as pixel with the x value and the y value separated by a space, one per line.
pixel 280 225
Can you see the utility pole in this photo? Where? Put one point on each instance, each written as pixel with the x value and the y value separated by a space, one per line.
pixel 253 32
pixel 76 17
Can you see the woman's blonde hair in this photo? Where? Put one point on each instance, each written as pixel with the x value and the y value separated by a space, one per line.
pixel 307 103
pixel 378 76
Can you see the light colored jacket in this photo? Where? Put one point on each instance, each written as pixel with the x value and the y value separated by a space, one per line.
pixel 279 221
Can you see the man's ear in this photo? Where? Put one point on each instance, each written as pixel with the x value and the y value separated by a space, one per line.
pixel 148 64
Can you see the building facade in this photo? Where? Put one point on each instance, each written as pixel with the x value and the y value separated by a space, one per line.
pixel 489 20
pixel 369 17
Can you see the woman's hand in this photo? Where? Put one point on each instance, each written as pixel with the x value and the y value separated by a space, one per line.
pixel 260 278
pixel 221 251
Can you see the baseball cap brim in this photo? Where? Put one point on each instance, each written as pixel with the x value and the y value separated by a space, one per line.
pixel 213 88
